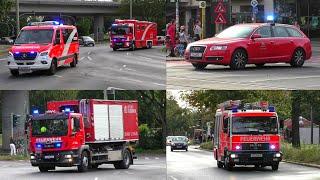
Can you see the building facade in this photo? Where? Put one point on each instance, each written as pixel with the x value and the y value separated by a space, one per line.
pixel 305 12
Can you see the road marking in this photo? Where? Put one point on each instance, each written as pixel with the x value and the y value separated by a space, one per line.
pixel 96 178
pixel 144 57
pixel 114 88
pixel 90 59
pixel 147 158
pixel 82 58
pixel 285 78
pixel 4 59
pixel 158 84
pixel 173 178
pixel 89 52
pixel 58 76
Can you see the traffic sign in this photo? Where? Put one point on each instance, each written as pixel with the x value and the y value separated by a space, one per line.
pixel 220 8
pixel 255 10
pixel 202 4
pixel 254 3
pixel 220 19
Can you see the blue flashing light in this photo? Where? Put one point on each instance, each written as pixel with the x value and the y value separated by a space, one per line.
pixel 32 52
pixel 58 145
pixel 234 109
pixel 113 25
pixel 272 109
pixel 17 52
pixel 35 111
pixel 67 109
pixel 56 22
pixel 270 18
pixel 39 146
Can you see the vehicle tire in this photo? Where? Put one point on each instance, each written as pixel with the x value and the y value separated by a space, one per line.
pixel 115 49
pixel 275 167
pixel 257 166
pixel 227 164
pixel 260 65
pixel 74 62
pixel 171 150
pixel 186 149
pixel 95 166
pixel 53 67
pixel 84 163
pixel 219 164
pixel 91 44
pixel 45 168
pixel 298 58
pixel 14 72
pixel 125 163
pixel 133 46
pixel 239 59
pixel 199 66
pixel 149 45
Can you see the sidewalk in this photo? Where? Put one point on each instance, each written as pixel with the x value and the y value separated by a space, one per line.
pixel 303 164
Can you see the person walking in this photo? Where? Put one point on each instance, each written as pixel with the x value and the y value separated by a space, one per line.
pixel 197 30
pixel 183 40
pixel 172 34
pixel 13 150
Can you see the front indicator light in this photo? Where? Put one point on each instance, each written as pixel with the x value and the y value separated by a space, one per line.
pixel 218 48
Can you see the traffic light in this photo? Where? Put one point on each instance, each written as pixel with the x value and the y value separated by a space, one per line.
pixel 15 120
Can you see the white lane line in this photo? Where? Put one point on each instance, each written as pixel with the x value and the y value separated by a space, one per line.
pixel 144 57
pixel 58 76
pixel 96 178
pixel 4 59
pixel 158 84
pixel 173 178
pixel 147 158
pixel 156 158
pixel 90 59
pixel 82 58
pixel 114 88
pixel 89 52
pixel 284 78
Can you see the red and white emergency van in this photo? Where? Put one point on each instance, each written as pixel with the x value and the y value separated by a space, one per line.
pixel 44 46
pixel 84 133
pixel 246 134
pixel 133 34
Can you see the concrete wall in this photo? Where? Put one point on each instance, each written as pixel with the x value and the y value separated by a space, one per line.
pixel 16 102
pixel 305 135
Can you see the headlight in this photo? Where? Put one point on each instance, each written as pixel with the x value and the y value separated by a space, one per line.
pixel 233 156
pixel 32 157
pixel 218 48
pixel 278 155
pixel 44 53
pixel 10 54
pixel 172 144
pixel 68 156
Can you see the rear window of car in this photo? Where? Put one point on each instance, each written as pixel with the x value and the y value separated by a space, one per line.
pixel 294 33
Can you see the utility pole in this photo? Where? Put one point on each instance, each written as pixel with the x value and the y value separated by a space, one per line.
pixel 177 16
pixel 311 119
pixel 17 16
pixel 131 9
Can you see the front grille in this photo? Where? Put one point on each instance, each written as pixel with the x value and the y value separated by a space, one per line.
pixel 197 49
pixel 255 146
pixel 25 56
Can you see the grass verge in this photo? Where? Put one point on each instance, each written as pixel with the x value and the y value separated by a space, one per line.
pixel 4 50
pixel 150 151
pixel 306 154
pixel 13 158
pixel 207 145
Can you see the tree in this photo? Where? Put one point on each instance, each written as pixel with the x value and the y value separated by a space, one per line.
pixel 296 112
pixel 5 7
pixel 84 26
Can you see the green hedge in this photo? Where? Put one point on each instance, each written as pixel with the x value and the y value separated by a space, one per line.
pixel 207 145
pixel 306 154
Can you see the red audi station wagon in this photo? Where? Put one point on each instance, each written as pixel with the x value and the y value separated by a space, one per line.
pixel 255 43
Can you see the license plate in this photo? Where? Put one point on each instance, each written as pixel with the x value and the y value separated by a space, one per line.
pixel 49 157
pixel 25 69
pixel 256 155
pixel 179 146
pixel 196 54
pixel 119 44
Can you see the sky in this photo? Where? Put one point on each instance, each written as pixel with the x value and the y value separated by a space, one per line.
pixel 176 94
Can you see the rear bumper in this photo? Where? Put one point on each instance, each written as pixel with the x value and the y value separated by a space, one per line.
pixel 57 159
pixel 245 158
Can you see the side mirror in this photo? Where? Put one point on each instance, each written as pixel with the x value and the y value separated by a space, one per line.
pixel 57 41
pixel 256 36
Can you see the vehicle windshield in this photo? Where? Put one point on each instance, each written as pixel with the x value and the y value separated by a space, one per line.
pixel 254 125
pixel 179 139
pixel 236 32
pixel 39 36
pixel 50 127
pixel 87 38
pixel 120 30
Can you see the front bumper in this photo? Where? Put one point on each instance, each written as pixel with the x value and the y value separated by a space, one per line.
pixel 179 146
pixel 248 158
pixel 55 159
pixel 222 57
pixel 122 44
pixel 40 63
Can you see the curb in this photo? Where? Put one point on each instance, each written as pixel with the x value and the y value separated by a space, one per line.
pixel 302 164
pixel 174 59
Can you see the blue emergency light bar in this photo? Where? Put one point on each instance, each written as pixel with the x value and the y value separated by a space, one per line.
pixel 270 18
pixel 46 23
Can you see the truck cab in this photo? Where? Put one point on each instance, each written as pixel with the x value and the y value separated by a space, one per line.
pixel 247 134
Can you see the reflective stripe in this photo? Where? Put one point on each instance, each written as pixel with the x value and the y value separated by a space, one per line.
pixel 68 43
pixel 145 31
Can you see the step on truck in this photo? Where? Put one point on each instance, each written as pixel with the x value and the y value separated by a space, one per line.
pixel 133 34
pixel 84 133
pixel 246 134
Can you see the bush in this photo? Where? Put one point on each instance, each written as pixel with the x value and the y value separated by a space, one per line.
pixel 306 154
pixel 149 138
pixel 207 145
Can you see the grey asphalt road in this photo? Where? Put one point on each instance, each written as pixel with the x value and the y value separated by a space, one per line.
pixel 99 68
pixel 146 167
pixel 200 165
pixel 182 76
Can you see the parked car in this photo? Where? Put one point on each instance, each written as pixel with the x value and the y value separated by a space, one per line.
pixel 6 40
pixel 86 41
pixel 255 43
pixel 179 143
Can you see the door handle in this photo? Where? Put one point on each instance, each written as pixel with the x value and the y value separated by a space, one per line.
pixel 271 42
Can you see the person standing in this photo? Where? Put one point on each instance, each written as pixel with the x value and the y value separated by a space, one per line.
pixel 183 39
pixel 197 30
pixel 172 34
pixel 13 150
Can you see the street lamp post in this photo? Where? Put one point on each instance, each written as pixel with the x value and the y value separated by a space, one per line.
pixel 18 17
pixel 131 9
pixel 177 16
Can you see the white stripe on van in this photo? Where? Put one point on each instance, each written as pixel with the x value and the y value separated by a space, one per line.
pixel 145 31
pixel 68 43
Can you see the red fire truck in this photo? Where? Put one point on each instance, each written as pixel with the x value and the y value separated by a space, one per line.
pixel 246 134
pixel 85 133
pixel 133 34
pixel 44 46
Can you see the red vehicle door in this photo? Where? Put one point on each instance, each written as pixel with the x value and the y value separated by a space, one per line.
pixel 77 130
pixel 284 44
pixel 260 49
pixel 69 45
pixel 57 45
